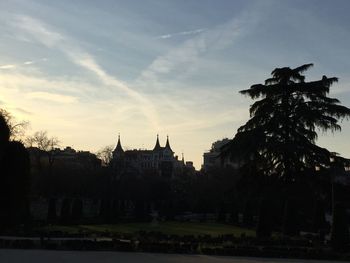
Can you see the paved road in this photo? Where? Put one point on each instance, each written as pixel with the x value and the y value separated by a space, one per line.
pixel 51 256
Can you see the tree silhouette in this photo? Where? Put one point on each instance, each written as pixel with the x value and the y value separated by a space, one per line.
pixel 45 147
pixel 15 179
pixel 265 223
pixel 281 133
pixel 51 214
pixel 106 154
pixel 4 135
pixel 340 230
pixel 77 209
pixel 16 128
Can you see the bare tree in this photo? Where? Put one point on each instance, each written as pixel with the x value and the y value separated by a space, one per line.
pixel 106 154
pixel 17 128
pixel 45 146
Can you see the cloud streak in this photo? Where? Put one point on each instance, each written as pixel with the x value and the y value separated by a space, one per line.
pixel 186 55
pixel 148 109
pixel 26 63
pixel 23 111
pixel 37 30
pixel 182 60
pixel 183 33
pixel 9 66
pixel 53 97
pixel 49 37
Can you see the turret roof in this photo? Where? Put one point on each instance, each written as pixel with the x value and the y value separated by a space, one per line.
pixel 167 145
pixel 118 148
pixel 157 146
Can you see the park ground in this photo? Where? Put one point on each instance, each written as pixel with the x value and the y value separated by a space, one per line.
pixel 168 228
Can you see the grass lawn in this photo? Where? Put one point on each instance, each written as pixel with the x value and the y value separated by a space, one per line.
pixel 178 228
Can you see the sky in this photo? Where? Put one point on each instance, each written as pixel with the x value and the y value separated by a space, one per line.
pixel 86 71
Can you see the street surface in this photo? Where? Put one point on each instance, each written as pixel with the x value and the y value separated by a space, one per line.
pixel 52 256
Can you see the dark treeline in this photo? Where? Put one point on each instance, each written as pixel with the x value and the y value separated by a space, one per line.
pixel 222 194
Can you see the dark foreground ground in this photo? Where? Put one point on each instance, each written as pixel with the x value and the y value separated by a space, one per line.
pixel 50 256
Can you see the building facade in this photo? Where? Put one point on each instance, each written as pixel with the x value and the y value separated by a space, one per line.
pixel 212 157
pixel 67 157
pixel 160 160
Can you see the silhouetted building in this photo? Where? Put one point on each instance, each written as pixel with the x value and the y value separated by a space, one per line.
pixel 212 157
pixel 160 160
pixel 64 157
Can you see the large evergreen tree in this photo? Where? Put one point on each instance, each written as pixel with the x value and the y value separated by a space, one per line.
pixel 281 134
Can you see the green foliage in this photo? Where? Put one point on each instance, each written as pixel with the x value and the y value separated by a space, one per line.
pixel 281 133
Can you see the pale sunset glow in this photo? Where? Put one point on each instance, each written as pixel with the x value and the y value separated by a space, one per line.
pixel 88 70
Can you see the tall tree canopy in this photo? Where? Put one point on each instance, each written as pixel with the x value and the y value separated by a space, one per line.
pixel 283 125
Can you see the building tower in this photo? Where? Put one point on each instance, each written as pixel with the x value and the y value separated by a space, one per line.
pixel 157 146
pixel 118 151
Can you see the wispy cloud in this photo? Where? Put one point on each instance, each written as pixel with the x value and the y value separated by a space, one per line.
pixel 49 36
pixel 37 30
pixel 26 63
pixel 181 61
pixel 23 111
pixel 9 66
pixel 59 98
pixel 185 55
pixel 86 61
pixel 194 125
pixel 38 82
pixel 183 33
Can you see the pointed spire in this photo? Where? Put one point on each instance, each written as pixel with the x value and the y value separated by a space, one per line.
pixel 167 145
pixel 119 148
pixel 183 159
pixel 157 146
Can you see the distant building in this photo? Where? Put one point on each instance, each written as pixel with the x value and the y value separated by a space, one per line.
pixel 212 157
pixel 64 157
pixel 160 160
